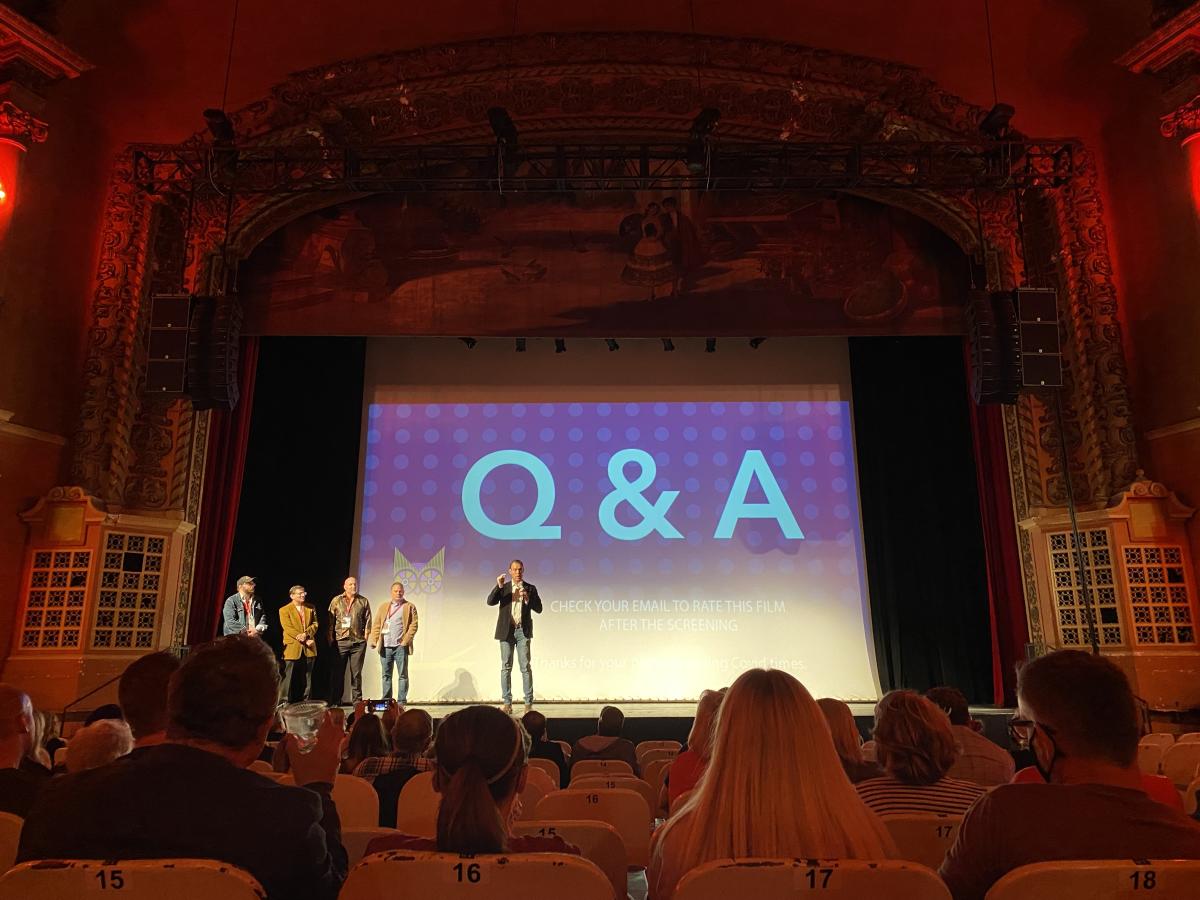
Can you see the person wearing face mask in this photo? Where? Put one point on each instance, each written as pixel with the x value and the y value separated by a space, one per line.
pixel 1078 713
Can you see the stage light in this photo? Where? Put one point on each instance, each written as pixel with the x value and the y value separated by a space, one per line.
pixel 755 343
pixel 503 127
pixel 520 345
pixel 219 126
pixel 700 137
pixel 668 345
pixel 710 345
pixel 996 123
pixel 470 342
pixel 612 345
pixel 560 345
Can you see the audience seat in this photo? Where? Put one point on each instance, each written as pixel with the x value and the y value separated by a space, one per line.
pixel 1158 738
pixel 597 841
pixel 261 765
pixel 417 808
pixel 1180 762
pixel 355 840
pixel 623 809
pixel 142 879
pixel 645 746
pixel 924 837
pixel 566 749
pixel 655 775
pixel 549 766
pixel 539 775
pixel 651 756
pixel 628 782
pixel 868 751
pixel 1150 758
pixel 844 879
pixel 388 788
pixel 404 874
pixel 1100 879
pixel 601 767
pixel 356 801
pixel 1189 796
pixel 10 838
pixel 1190 737
pixel 532 796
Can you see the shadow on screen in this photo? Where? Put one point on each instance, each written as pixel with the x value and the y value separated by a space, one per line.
pixel 462 688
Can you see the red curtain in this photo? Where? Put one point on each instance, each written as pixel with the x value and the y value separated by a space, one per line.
pixel 228 437
pixel 1006 600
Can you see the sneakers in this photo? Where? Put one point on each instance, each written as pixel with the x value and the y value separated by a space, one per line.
pixel 528 707
pixel 506 708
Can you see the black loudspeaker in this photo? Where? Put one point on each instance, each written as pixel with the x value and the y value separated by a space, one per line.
pixel 212 365
pixel 995 347
pixel 1041 355
pixel 166 364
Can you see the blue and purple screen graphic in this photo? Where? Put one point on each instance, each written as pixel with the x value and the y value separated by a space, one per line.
pixel 674 544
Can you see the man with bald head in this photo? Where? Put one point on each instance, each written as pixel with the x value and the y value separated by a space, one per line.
pixel 18 788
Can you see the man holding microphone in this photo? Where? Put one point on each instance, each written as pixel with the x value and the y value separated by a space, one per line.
pixel 518 600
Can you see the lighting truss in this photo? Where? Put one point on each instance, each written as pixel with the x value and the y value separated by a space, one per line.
pixel 983 165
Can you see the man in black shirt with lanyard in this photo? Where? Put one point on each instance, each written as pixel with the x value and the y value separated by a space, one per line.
pixel 349 625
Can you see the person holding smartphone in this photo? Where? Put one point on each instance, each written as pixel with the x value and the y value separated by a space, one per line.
pixel 393 629
pixel 518 601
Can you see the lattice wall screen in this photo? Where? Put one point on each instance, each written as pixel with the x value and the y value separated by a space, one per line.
pixel 1068 592
pixel 130 581
pixel 54 600
pixel 1158 594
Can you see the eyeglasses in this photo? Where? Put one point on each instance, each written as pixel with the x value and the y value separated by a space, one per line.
pixel 1021 730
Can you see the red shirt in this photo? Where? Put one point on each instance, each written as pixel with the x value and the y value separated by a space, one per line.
pixel 684 774
pixel 1157 787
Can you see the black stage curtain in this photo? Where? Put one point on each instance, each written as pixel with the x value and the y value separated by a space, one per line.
pixel 920 507
pixel 300 486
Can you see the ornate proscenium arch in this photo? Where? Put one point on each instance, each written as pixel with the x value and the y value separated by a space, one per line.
pixel 134 453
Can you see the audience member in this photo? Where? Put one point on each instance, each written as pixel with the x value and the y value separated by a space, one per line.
pixel 105 711
pixel 142 692
pixel 1082 723
pixel 979 760
pixel 51 735
pixel 607 742
pixel 847 741
pixel 411 736
pixel 193 797
pixel 774 787
pixel 542 747
pixel 98 744
pixel 688 766
pixel 367 739
pixel 37 758
pixel 18 787
pixel 915 747
pixel 482 758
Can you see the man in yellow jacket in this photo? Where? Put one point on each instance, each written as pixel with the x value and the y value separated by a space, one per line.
pixel 393 628
pixel 298 621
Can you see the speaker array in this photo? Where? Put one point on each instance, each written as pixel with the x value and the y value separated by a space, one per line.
pixel 193 349
pixel 1014 343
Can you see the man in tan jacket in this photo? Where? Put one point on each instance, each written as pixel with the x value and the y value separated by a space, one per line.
pixel 299 623
pixel 393 628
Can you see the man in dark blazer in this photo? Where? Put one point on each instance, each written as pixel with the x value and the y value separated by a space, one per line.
pixel 518 601
pixel 243 612
pixel 193 797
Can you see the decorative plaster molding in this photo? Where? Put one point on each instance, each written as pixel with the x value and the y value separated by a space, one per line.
pixel 1177 38
pixel 23 42
pixel 1184 119
pixel 1183 427
pixel 7 426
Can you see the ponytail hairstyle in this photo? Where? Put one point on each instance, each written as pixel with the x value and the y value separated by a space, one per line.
pixel 481 757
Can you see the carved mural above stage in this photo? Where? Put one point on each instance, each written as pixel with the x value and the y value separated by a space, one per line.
pixel 697 264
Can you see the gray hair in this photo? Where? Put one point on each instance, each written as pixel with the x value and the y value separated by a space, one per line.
pixel 98 744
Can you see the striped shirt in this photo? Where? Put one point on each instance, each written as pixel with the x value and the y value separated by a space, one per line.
pixel 393 762
pixel 887 796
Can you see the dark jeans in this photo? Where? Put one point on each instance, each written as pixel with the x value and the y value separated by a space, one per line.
pixel 290 669
pixel 346 654
pixel 398 657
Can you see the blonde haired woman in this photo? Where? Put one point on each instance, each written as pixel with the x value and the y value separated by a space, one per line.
pixel 774 787
pixel 689 765
pixel 915 746
pixel 847 741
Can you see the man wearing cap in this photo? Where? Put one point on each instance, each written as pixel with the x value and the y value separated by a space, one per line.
pixel 243 612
